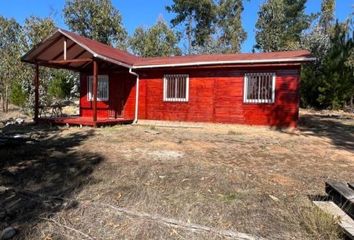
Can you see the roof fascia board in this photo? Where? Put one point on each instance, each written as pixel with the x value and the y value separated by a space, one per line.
pixel 112 61
pixel 304 59
pixel 37 45
pixel 96 55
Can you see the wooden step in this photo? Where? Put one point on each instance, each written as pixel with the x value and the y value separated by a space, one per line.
pixel 345 222
pixel 342 194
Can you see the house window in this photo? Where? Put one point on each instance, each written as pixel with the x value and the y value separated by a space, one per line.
pixel 176 88
pixel 259 88
pixel 102 88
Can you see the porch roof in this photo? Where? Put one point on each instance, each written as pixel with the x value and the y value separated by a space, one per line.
pixel 80 51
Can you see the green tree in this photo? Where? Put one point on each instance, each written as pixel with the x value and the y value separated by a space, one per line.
pixel 327 15
pixel 198 19
pixel 96 19
pixel 329 82
pixel 61 85
pixel 18 95
pixel 350 61
pixel 318 41
pixel 36 29
pixel 10 42
pixel 280 25
pixel 229 22
pixel 337 83
pixel 159 40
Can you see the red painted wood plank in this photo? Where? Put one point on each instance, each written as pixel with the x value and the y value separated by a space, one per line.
pixel 214 95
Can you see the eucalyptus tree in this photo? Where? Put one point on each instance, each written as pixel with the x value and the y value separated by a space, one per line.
pixel 96 19
pixel 327 15
pixel 159 40
pixel 10 42
pixel 197 19
pixel 281 24
pixel 229 24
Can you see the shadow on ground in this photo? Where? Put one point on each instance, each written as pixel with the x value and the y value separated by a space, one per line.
pixel 37 177
pixel 332 127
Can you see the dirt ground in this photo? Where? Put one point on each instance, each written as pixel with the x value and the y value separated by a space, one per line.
pixel 123 182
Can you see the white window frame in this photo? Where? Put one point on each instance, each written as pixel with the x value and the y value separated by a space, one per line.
pixel 259 100
pixel 165 79
pixel 100 78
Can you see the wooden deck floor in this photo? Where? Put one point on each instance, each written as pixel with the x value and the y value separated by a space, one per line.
pixel 85 121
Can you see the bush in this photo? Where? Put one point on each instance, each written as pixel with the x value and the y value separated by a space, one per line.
pixel 60 86
pixel 18 95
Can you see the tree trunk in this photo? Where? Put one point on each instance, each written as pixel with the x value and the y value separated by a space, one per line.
pixel 3 102
pixel 6 100
pixel 189 34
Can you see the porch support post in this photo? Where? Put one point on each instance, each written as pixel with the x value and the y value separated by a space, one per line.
pixel 36 93
pixel 94 89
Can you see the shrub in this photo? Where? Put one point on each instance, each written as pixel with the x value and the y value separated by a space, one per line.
pixel 18 95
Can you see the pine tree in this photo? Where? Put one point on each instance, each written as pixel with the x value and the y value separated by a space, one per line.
pixel 318 41
pixel 337 83
pixel 329 82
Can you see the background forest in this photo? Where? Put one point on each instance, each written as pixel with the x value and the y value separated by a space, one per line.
pixel 197 27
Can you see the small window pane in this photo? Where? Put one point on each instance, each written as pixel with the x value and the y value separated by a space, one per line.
pixel 102 88
pixel 259 87
pixel 176 87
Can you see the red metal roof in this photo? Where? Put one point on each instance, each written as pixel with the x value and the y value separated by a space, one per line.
pixel 289 56
pixel 119 57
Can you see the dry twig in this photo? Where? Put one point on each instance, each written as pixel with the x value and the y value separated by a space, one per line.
pixel 69 228
pixel 179 224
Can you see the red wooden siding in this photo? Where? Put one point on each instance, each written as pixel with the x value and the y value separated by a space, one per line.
pixel 120 89
pixel 215 95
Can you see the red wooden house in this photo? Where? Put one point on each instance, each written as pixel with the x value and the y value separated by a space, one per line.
pixel 116 86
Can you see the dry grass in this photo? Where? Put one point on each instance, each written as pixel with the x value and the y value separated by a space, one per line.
pixel 14 112
pixel 244 179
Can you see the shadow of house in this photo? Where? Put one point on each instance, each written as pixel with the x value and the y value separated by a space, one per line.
pixel 332 127
pixel 35 179
pixel 284 112
pixel 340 134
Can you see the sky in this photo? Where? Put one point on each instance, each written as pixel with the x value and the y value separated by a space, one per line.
pixel 146 12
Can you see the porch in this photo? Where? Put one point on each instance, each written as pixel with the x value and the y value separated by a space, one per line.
pixel 105 79
pixel 84 121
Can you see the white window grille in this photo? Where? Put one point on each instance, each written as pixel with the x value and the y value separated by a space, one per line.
pixel 102 88
pixel 176 88
pixel 259 88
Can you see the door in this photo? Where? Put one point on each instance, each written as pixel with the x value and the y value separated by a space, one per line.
pixel 116 97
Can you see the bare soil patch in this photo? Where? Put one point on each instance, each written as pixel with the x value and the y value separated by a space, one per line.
pixel 253 180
